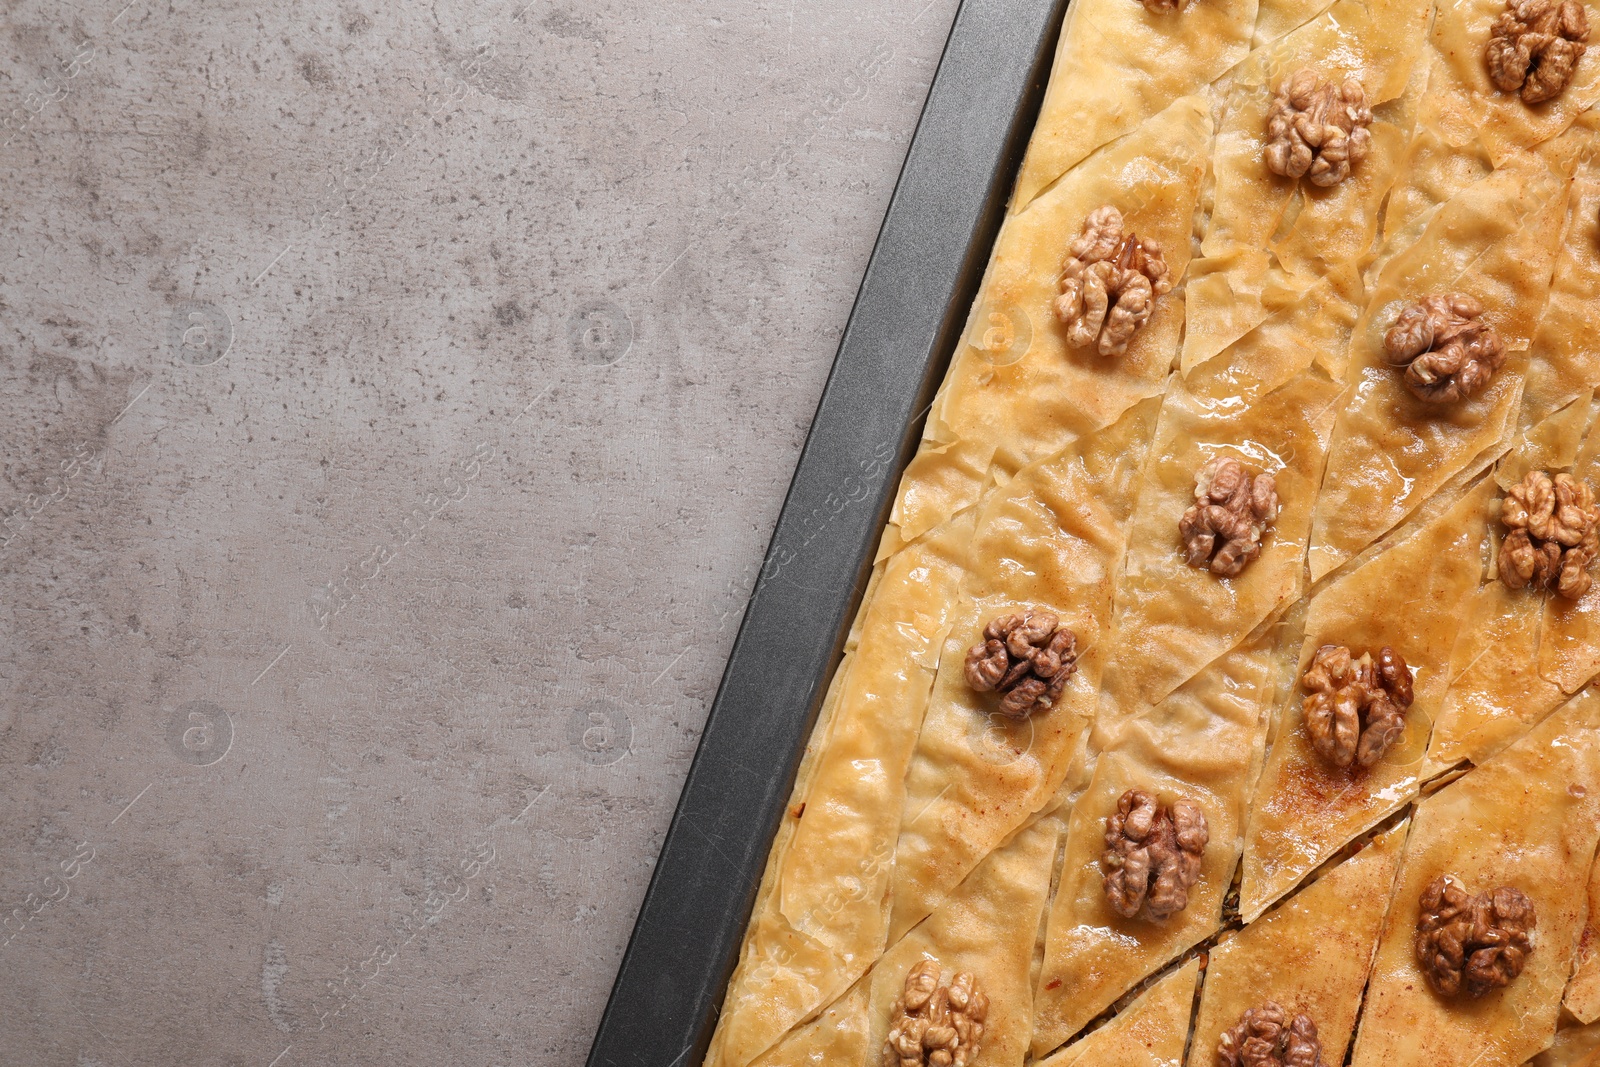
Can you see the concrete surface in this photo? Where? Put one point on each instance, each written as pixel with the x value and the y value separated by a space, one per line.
pixel 397 402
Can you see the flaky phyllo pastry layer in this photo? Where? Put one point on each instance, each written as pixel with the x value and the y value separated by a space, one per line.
pixel 1220 693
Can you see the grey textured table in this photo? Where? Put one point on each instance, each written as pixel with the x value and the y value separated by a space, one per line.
pixel 397 405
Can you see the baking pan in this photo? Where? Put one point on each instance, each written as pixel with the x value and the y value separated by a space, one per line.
pixel 907 319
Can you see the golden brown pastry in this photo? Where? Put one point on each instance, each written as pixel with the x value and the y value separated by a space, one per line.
pixel 1311 953
pixel 1542 795
pixel 1253 510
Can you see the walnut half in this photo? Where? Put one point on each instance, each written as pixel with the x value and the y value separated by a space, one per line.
pixel 1109 284
pixel 1477 942
pixel 1554 534
pixel 1355 709
pixel 1232 511
pixel 1029 657
pixel 1535 46
pixel 933 1025
pixel 1316 129
pixel 1268 1037
pixel 1448 351
pixel 1153 855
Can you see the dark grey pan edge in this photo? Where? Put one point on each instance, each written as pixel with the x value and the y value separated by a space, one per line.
pixel 911 308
